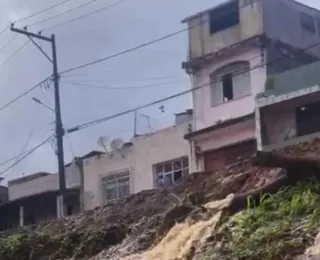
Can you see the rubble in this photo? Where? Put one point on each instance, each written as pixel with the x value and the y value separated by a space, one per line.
pixel 137 223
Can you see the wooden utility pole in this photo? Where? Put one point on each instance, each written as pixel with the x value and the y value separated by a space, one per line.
pixel 59 128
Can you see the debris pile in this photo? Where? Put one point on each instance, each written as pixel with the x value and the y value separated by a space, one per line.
pixel 142 225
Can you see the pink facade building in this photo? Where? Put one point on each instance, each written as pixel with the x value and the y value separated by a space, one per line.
pixel 233 49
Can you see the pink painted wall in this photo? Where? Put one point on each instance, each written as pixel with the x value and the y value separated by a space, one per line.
pixel 227 136
pixel 280 119
pixel 204 114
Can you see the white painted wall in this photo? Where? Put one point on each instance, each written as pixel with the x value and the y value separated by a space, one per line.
pixel 146 151
pixel 205 114
pixel 44 184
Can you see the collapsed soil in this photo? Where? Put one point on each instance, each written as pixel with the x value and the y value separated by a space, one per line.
pixel 137 223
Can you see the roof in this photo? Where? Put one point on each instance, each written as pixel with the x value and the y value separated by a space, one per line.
pixel 28 178
pixel 187 112
pixel 45 193
pixel 92 154
pixel 293 80
pixel 225 123
pixel 88 155
pixel 205 11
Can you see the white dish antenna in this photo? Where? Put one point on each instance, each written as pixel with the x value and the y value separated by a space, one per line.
pixel 103 141
pixel 116 145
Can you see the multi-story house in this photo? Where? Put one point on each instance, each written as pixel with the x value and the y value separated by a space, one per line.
pixel 233 49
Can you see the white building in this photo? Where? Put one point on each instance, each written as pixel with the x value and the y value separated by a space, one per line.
pixel 138 164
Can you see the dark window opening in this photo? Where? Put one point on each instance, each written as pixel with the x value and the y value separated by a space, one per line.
pixel 227 85
pixel 308 119
pixel 224 17
pixel 307 22
pixel 69 210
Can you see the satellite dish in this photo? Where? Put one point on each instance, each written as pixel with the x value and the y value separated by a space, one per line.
pixel 103 141
pixel 116 144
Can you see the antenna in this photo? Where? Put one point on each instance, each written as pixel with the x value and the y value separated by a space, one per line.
pixel 116 145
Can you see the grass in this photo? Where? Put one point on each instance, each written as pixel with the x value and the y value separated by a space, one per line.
pixel 283 226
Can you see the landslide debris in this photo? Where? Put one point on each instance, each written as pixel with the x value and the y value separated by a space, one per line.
pixel 136 224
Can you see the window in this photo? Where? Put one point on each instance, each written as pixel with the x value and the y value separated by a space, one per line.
pixel 115 186
pixel 227 87
pixel 168 173
pixel 230 82
pixel 307 22
pixel 224 17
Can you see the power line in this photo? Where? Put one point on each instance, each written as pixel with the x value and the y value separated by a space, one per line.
pixel 101 120
pixel 15 53
pixel 41 11
pixel 151 42
pixel 23 94
pixel 27 154
pixel 120 88
pixel 4 30
pixel 83 16
pixel 8 43
pixel 63 13
pixel 22 151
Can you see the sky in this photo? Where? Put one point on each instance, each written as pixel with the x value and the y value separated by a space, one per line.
pixel 152 73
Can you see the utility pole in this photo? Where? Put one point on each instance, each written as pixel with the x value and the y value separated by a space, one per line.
pixel 58 121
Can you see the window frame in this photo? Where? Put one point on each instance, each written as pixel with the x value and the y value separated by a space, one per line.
pixel 305 22
pixel 234 68
pixel 226 19
pixel 184 169
pixel 114 179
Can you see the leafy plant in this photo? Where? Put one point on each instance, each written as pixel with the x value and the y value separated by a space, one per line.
pixel 281 227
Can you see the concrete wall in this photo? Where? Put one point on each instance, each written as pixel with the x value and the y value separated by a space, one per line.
pixel 202 42
pixel 233 134
pixel 204 114
pixel 139 159
pixel 281 20
pixel 43 184
pixel 279 131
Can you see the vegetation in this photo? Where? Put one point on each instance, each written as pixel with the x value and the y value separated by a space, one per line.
pixel 81 244
pixel 283 226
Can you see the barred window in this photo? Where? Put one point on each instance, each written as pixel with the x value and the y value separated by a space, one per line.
pixel 115 186
pixel 170 172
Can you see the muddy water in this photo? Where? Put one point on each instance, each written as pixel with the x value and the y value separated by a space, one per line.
pixel 183 238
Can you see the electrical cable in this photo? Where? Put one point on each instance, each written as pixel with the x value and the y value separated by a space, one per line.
pixel 83 16
pixel 151 42
pixel 120 88
pixel 15 53
pixel 4 30
pixel 23 94
pixel 8 43
pixel 41 11
pixel 101 120
pixel 63 13
pixel 27 154
pixel 22 151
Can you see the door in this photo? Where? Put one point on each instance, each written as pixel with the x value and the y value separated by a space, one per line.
pixel 217 159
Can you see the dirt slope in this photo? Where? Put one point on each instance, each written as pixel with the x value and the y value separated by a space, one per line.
pixel 138 222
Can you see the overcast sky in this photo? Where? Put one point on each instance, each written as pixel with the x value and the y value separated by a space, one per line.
pixel 25 123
